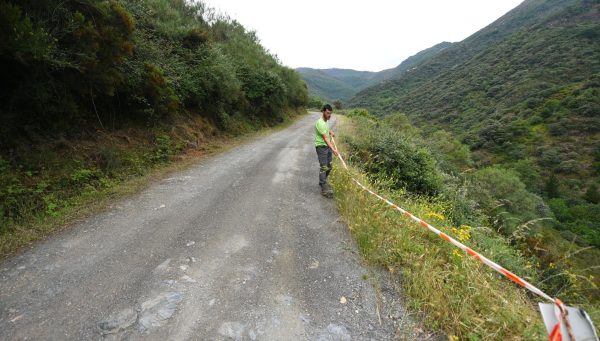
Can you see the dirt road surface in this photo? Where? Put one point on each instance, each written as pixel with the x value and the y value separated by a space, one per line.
pixel 241 246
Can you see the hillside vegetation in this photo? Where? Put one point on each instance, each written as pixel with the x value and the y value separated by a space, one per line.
pixel 488 209
pixel 342 84
pixel 523 94
pixel 94 93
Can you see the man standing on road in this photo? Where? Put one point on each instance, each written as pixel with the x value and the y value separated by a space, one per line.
pixel 324 149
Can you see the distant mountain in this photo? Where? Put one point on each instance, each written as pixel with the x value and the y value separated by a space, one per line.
pixel 522 92
pixel 409 63
pixel 332 84
pixel 342 84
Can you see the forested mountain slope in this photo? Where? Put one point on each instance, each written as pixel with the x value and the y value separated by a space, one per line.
pixel 342 84
pixel 409 63
pixel 334 84
pixel 523 93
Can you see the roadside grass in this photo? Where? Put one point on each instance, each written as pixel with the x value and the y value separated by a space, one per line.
pixel 58 182
pixel 451 291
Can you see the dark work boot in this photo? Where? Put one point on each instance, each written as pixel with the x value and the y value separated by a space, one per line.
pixel 327 191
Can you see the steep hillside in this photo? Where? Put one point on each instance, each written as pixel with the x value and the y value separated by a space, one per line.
pixel 519 88
pixel 524 18
pixel 523 93
pixel 409 63
pixel 342 84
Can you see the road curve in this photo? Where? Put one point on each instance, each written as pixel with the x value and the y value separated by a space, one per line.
pixel 239 247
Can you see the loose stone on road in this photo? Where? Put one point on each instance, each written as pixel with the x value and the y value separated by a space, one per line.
pixel 241 246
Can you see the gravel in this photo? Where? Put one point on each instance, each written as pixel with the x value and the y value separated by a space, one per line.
pixel 242 246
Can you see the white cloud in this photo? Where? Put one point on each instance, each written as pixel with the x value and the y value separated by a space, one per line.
pixel 361 35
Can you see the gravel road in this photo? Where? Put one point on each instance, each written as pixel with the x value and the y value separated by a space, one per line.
pixel 241 246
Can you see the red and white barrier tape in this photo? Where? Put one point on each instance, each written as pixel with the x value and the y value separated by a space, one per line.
pixel 561 310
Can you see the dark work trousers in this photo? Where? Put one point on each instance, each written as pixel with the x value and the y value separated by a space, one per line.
pixel 325 157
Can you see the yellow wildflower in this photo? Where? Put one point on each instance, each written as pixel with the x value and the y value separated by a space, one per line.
pixel 435 215
pixel 463 233
pixel 457 253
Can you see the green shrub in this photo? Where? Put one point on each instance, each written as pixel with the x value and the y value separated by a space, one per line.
pixel 163 149
pixel 12 194
pixel 83 176
pixel 503 197
pixel 394 159
pixel 315 103
pixel 159 94
pixel 560 209
pixel 452 155
pixel 591 194
pixel 360 113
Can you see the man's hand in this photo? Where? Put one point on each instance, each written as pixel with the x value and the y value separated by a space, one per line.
pixel 330 145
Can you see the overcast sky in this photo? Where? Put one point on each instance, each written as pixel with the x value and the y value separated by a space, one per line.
pixel 363 35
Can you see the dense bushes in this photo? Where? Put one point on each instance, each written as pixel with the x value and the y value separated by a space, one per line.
pixel 451 291
pixel 434 169
pixel 394 158
pixel 504 198
pixel 489 209
pixel 95 92
pixel 523 94
pixel 524 88
pixel 59 59
pixel 68 64
pixel 400 156
pixel 315 102
pixel 581 219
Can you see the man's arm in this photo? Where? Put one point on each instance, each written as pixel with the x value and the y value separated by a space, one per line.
pixel 329 144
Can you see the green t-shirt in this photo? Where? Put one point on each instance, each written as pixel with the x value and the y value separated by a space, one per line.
pixel 321 128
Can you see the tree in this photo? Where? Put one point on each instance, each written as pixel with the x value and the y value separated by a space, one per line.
pixel 552 187
pixel 337 104
pixel 504 197
pixel 315 102
pixel 591 195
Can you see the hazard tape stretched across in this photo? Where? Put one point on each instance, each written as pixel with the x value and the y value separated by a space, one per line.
pixel 561 310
